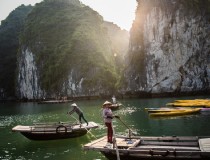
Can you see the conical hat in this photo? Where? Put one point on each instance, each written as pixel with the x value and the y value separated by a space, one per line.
pixel 107 102
pixel 74 105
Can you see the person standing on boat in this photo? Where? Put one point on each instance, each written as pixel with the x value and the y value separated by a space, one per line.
pixel 114 100
pixel 108 116
pixel 79 112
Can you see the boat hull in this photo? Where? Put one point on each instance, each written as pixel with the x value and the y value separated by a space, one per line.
pixel 153 148
pixel 54 136
pixel 53 131
pixel 112 156
pixel 177 112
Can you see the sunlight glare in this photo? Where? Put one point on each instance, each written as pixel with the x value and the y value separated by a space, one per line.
pixel 120 12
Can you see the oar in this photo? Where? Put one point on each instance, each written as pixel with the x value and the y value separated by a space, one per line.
pixel 88 131
pixel 130 130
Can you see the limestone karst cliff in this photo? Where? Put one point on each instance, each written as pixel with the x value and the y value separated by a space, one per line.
pixel 169 49
pixel 66 49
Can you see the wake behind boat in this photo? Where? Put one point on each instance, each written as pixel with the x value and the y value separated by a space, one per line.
pixel 51 131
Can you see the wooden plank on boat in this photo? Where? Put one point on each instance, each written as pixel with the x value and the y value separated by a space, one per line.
pixel 169 143
pixel 22 128
pixel 164 154
pixel 169 138
pixel 177 148
pixel 204 144
pixel 99 143
pixel 165 138
pixel 121 143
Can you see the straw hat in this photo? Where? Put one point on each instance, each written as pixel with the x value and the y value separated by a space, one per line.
pixel 107 103
pixel 74 105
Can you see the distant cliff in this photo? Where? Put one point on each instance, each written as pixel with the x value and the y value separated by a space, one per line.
pixel 66 49
pixel 10 29
pixel 169 49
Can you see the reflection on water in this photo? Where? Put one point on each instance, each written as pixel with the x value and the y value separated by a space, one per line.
pixel 132 114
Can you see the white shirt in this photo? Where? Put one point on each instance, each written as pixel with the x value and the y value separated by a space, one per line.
pixel 107 114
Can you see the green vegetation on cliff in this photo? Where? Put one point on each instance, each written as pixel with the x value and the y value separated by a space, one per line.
pixel 67 35
pixel 9 43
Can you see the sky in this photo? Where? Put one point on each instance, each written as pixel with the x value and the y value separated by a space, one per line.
pixel 120 12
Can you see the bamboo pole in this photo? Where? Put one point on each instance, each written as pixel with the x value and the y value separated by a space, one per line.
pixel 115 143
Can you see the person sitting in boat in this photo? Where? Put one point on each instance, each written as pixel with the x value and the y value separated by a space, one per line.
pixel 108 116
pixel 79 112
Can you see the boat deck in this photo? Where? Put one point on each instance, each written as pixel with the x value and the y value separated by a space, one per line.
pixel 100 144
pixel 154 147
pixel 205 144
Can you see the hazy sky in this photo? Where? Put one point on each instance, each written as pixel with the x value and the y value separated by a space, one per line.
pixel 121 12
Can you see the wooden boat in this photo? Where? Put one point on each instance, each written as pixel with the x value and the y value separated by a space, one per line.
pixel 205 109
pixel 51 131
pixel 177 112
pixel 54 101
pixel 153 148
pixel 115 106
pixel 191 103
pixel 165 110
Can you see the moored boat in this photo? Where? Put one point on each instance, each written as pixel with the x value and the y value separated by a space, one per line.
pixel 54 101
pixel 164 110
pixel 115 106
pixel 51 131
pixel 153 148
pixel 205 109
pixel 177 112
pixel 191 103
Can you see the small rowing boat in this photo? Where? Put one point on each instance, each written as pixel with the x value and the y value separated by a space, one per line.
pixel 153 148
pixel 115 106
pixel 51 131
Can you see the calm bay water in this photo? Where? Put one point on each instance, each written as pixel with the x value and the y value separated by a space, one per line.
pixel 14 146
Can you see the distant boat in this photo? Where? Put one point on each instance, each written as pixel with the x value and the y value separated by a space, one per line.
pixel 54 101
pixel 51 131
pixel 176 112
pixel 153 148
pixel 115 106
pixel 190 103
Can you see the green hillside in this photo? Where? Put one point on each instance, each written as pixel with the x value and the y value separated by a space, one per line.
pixel 9 42
pixel 67 35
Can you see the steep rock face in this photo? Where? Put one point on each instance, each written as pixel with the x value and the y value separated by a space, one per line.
pixel 66 51
pixel 28 86
pixel 9 32
pixel 169 49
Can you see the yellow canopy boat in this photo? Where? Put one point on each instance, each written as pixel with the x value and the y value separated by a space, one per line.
pixel 190 103
pixel 177 112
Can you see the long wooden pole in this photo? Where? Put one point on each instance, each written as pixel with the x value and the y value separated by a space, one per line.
pixel 115 143
pixel 130 131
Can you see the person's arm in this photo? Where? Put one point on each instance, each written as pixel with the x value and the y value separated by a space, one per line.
pixel 72 111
